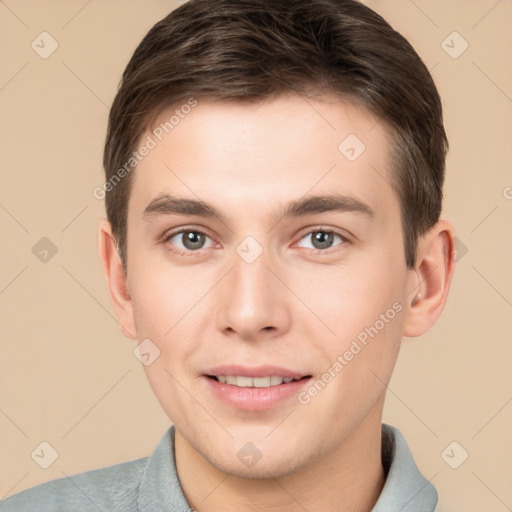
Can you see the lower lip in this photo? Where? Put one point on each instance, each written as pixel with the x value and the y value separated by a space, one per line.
pixel 255 399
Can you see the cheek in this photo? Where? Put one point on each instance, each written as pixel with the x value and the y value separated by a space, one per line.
pixel 348 299
pixel 170 307
pixel 165 306
pixel 164 297
pixel 359 360
pixel 364 307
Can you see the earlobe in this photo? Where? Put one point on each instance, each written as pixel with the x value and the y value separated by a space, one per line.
pixel 430 280
pixel 116 279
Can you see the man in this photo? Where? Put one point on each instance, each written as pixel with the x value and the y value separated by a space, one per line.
pixel 273 189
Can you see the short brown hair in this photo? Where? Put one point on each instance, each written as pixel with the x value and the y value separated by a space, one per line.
pixel 250 50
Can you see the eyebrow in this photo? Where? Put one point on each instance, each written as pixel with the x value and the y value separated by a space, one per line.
pixel 166 204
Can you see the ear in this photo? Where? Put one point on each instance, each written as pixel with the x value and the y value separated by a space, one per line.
pixel 430 280
pixel 116 278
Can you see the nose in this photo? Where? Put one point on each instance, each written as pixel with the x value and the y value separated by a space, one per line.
pixel 253 301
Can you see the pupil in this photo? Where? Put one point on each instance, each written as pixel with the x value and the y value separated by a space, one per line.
pixel 322 240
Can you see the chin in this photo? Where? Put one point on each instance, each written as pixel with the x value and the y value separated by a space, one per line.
pixel 264 464
pixel 260 471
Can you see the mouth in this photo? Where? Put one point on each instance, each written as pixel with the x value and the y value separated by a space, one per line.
pixel 254 389
pixel 243 381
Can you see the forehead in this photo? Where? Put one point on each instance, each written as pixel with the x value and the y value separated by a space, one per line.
pixel 253 156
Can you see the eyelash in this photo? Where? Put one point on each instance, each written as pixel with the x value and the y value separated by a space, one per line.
pixel 196 253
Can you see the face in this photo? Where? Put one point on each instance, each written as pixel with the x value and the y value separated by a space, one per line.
pixel 262 281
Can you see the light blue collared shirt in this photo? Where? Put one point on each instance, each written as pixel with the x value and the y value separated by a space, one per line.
pixel 151 484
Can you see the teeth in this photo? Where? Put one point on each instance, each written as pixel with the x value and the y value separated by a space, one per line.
pixel 256 382
pixel 261 382
pixel 274 381
pixel 244 382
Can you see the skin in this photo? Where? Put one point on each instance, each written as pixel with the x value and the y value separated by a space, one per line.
pixel 293 306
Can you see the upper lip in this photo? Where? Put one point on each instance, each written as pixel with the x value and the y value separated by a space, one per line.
pixel 255 371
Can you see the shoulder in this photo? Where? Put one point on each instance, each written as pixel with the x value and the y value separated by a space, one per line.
pixel 149 483
pixel 113 488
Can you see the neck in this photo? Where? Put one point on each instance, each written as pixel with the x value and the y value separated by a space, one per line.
pixel 349 479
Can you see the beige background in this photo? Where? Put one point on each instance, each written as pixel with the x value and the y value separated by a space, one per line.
pixel 67 375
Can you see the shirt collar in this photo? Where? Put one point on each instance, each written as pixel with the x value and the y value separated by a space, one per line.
pixel 405 489
pixel 160 489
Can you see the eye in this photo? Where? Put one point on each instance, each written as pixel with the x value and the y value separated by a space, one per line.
pixel 187 241
pixel 322 239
